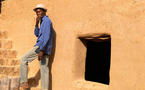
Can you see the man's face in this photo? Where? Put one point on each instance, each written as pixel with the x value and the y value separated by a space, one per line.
pixel 40 13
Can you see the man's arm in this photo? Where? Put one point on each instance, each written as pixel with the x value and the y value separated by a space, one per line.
pixel 36 31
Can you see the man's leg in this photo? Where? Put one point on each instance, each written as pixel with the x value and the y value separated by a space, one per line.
pixel 44 73
pixel 28 57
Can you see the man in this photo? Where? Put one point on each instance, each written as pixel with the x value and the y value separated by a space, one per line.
pixel 42 49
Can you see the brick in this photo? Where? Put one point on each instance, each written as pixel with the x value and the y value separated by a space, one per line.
pixel 3 34
pixel 6 44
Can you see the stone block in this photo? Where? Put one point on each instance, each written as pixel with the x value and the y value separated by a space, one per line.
pixel 5 83
pixel 3 34
pixel 6 44
pixel 14 62
pixel 1 53
pixel 11 53
pixel 2 61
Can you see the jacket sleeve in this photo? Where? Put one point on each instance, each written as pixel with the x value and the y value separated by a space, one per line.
pixel 46 33
pixel 36 31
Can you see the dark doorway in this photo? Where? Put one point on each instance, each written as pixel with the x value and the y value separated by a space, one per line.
pixel 97 64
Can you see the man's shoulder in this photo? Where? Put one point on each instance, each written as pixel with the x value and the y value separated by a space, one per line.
pixel 47 19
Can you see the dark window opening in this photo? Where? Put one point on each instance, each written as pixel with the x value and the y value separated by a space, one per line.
pixel 97 64
pixel 1 4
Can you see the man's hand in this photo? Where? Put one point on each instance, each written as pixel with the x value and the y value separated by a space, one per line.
pixel 37 21
pixel 40 55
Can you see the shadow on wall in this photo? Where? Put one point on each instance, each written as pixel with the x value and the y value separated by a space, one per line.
pixel 34 81
pixel 1 4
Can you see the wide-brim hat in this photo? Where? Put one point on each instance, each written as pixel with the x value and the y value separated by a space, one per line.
pixel 40 6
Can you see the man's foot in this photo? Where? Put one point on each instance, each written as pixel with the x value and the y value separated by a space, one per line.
pixel 24 85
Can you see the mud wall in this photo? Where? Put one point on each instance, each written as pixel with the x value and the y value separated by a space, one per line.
pixel 122 19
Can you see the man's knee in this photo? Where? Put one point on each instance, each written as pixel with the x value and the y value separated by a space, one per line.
pixel 23 60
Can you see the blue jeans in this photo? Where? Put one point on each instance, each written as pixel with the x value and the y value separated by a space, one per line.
pixel 29 57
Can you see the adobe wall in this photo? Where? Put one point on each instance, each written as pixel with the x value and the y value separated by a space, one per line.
pixel 122 19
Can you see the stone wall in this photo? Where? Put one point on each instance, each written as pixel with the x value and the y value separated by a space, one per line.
pixel 9 64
